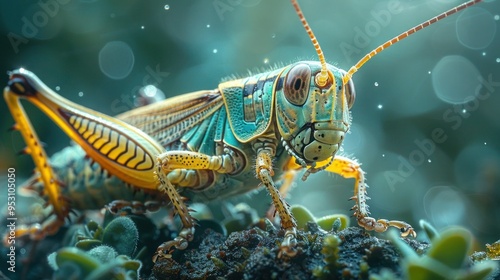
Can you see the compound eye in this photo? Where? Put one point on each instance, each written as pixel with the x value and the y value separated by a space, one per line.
pixel 350 93
pixel 297 84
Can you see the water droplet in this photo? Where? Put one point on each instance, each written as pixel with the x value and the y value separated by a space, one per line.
pixel 429 72
pixel 484 53
pixel 266 60
pixel 464 111
pixel 380 106
pixel 496 17
pixel 376 84
pixel 142 27
pixel 167 7
pixel 383 155
pixel 80 94
pixel 498 60
pixel 485 143
pixel 429 160
pixel 273 35
pixel 58 88
pixel 208 25
pixel 214 51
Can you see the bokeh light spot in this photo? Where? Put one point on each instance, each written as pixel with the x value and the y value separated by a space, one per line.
pixel 475 28
pixel 475 165
pixel 444 206
pixel 455 79
pixel 116 60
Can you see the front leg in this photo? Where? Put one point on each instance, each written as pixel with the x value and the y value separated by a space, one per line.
pixel 349 168
pixel 265 172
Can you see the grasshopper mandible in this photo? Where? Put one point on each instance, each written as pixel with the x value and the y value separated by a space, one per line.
pixel 204 143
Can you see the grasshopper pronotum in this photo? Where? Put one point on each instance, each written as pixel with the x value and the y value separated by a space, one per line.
pixel 227 141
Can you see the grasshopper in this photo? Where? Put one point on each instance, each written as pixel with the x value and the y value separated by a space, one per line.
pixel 209 144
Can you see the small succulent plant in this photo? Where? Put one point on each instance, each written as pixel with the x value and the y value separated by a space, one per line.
pixel 99 253
pixel 446 258
pixel 101 262
pixel 327 223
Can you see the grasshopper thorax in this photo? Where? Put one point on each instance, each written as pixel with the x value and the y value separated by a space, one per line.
pixel 312 119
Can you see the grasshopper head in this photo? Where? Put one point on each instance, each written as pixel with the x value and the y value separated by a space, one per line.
pixel 313 118
pixel 313 98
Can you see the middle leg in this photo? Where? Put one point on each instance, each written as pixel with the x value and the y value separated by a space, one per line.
pixel 167 172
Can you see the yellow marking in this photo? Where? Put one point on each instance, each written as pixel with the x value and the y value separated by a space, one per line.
pixel 137 159
pixel 84 126
pixel 111 144
pixel 97 135
pixel 75 122
pixel 120 149
pixel 103 139
pixel 128 155
pixel 89 131
pixel 147 161
pixel 19 87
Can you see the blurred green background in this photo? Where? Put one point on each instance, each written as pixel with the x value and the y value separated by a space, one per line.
pixel 100 53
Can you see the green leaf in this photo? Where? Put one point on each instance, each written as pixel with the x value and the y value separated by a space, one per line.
pixel 429 230
pixel 479 271
pixel 451 247
pixel 403 248
pixel 302 215
pixel 74 255
pixel 425 269
pixel 326 222
pixel 51 259
pixel 88 244
pixel 121 234
pixel 103 253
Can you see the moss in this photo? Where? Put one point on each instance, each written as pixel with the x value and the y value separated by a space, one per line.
pixel 330 253
pixel 493 251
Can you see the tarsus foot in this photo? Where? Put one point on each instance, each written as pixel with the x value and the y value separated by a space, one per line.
pixel 181 242
pixel 382 225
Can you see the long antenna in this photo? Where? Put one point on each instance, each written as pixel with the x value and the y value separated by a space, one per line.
pixel 322 78
pixel 403 35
